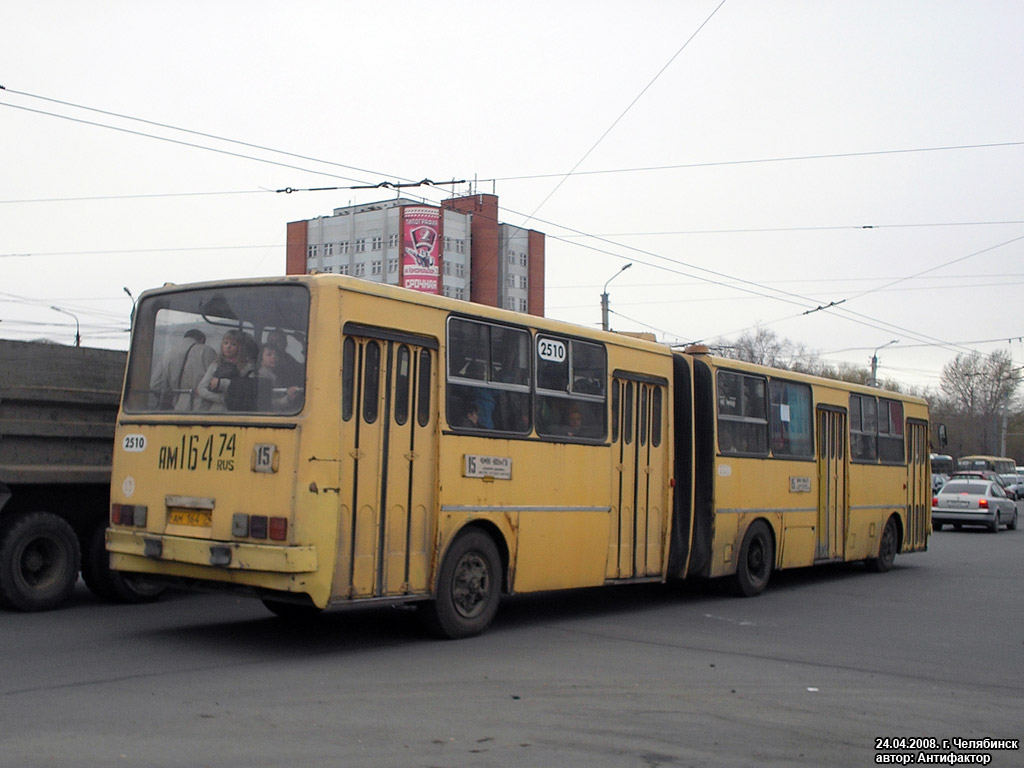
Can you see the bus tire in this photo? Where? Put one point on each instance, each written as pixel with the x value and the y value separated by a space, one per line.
pixel 112 585
pixel 886 548
pixel 39 560
pixel 468 588
pixel 756 561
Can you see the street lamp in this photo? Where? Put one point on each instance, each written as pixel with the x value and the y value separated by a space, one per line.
pixel 78 327
pixel 874 363
pixel 604 297
pixel 131 320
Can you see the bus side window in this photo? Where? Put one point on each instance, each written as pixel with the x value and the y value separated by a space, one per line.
pixel 656 417
pixel 348 377
pixel 423 394
pixel 371 382
pixel 402 386
pixel 615 410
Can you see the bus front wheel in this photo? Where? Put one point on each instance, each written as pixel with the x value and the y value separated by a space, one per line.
pixel 468 588
pixel 756 560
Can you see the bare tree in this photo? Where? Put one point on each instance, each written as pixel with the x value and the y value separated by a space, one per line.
pixel 981 390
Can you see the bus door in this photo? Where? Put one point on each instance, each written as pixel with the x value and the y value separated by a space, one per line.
pixel 388 467
pixel 639 480
pixel 919 488
pixel 832 474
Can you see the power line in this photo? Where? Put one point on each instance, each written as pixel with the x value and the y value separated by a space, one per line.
pixel 135 197
pixel 180 142
pixel 188 131
pixel 755 161
pixel 625 111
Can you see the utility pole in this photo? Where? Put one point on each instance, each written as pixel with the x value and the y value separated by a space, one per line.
pixel 874 363
pixel 604 297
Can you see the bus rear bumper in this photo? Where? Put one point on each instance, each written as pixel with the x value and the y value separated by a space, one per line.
pixel 240 556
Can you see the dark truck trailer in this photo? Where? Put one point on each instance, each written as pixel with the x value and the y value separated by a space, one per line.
pixel 58 406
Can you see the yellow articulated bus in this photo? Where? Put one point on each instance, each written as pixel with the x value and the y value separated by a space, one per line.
pixel 321 441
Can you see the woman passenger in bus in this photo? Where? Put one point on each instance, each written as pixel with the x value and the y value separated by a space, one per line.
pixel 232 363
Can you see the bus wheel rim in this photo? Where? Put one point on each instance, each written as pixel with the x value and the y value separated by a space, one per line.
pixel 471 585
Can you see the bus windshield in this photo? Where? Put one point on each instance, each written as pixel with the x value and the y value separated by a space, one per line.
pixel 225 349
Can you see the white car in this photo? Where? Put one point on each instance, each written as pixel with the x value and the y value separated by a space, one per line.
pixel 973 501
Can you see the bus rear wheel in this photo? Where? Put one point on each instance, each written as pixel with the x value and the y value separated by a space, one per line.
pixel 468 588
pixel 756 560
pixel 886 548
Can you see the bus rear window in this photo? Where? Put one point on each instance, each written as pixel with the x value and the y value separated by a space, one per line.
pixel 217 350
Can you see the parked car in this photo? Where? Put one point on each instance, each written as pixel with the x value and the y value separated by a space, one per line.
pixel 973 501
pixel 987 474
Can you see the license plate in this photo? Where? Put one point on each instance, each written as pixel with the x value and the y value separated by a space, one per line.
pixel 958 503
pixel 198 518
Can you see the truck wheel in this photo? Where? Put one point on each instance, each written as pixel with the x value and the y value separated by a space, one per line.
pixel 468 588
pixel 113 585
pixel 39 559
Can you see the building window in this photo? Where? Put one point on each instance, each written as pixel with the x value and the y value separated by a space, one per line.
pixel 343 248
pixel 360 269
pixel 511 281
pixel 392 266
pixel 361 245
pixel 328 249
pixel 393 240
pixel 522 282
pixel 376 267
pixel 376 243
pixel 343 269
pixel 522 305
pixel 447 243
pixel 311 251
pixel 460 246
pixel 522 259
pixel 447 267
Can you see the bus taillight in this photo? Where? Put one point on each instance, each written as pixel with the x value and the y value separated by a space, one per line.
pixel 128 514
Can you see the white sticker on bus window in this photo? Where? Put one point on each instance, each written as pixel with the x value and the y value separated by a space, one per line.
pixel 551 350
pixel 784 412
pixel 496 467
pixel 134 443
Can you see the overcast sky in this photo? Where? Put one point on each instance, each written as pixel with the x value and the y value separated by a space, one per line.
pixel 753 159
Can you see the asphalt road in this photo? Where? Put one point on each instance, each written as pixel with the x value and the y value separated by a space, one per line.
pixel 810 673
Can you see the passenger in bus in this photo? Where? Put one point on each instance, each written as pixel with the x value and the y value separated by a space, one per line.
pixel 178 374
pixel 575 422
pixel 232 363
pixel 289 371
pixel 471 419
pixel 273 394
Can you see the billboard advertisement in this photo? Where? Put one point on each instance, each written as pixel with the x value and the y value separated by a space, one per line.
pixel 421 249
